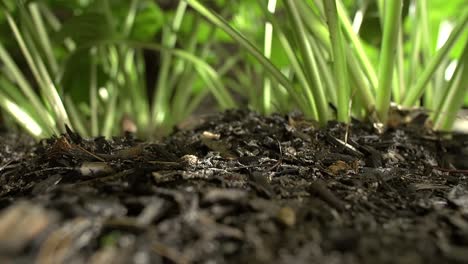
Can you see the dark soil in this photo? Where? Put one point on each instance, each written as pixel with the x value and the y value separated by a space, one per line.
pixel 238 188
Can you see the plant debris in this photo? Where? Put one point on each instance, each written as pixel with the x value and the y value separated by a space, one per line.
pixel 237 188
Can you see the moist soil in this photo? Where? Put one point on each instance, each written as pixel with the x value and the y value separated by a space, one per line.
pixel 237 187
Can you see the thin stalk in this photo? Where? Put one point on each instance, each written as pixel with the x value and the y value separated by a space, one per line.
pixel 162 92
pixel 267 43
pixel 109 119
pixel 55 24
pixel 359 16
pixel 339 60
pixel 15 95
pixel 108 13
pixel 454 95
pixel 416 38
pixel 244 79
pixel 128 75
pixel 23 118
pixel 417 89
pixel 310 63
pixel 179 66
pixel 307 103
pixel 41 76
pixel 360 65
pixel 43 37
pixel 27 90
pixel 432 95
pixel 134 79
pixel 392 18
pixel 194 103
pixel 358 76
pixel 398 87
pixel 325 71
pixel 219 22
pixel 209 74
pixel 76 117
pixel 184 88
pixel 93 96
pixel 282 100
pixel 130 18
pixel 361 55
pixel 315 24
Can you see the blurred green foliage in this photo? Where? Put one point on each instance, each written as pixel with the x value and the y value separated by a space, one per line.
pixel 88 22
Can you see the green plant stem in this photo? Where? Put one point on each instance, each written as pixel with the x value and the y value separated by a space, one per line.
pixel 267 44
pixel 237 36
pixel 93 96
pixel 399 75
pixel 41 75
pixel 22 117
pixel 357 60
pixel 325 71
pixel 76 118
pixel 339 60
pixel 110 118
pixel 43 37
pixel 392 18
pixel 454 95
pixel 306 103
pixel 209 74
pixel 162 91
pixel 365 96
pixel 361 56
pixel 18 77
pixel 417 89
pixel 310 63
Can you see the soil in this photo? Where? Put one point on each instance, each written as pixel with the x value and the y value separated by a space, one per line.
pixel 237 188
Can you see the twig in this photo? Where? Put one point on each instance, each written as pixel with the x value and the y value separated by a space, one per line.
pixel 451 170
